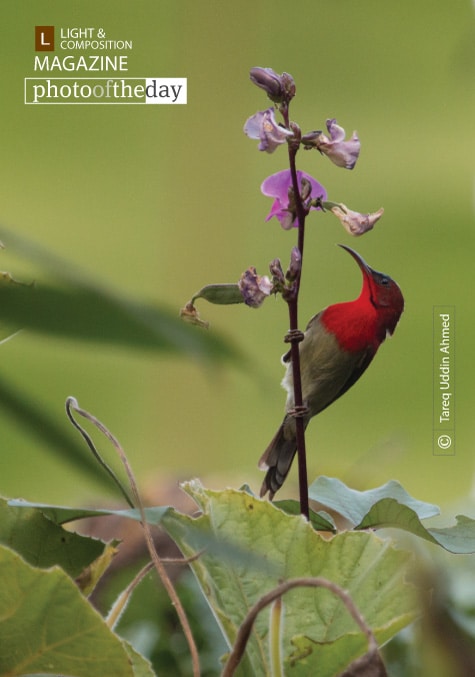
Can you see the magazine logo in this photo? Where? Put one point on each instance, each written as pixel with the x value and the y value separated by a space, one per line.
pixel 44 38
pixel 87 53
pixel 105 91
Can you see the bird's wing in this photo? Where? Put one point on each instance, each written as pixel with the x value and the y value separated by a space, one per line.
pixel 328 371
pixel 360 366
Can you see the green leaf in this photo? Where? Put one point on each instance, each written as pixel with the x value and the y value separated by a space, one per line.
pixel 390 506
pixel 80 307
pixel 47 626
pixel 458 539
pixel 326 658
pixel 285 547
pixel 354 505
pixel 31 534
pixel 91 575
pixel 6 330
pixel 82 314
pixel 154 516
pixel 141 665
pixel 63 514
pixel 389 513
pixel 320 521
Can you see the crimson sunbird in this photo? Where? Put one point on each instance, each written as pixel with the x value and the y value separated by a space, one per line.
pixel 339 344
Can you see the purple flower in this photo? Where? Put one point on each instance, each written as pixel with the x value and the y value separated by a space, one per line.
pixel 254 288
pixel 279 186
pixel 342 153
pixel 268 80
pixel 279 88
pixel 354 222
pixel 264 127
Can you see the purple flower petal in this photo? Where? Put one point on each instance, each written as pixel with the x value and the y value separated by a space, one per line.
pixel 342 153
pixel 336 132
pixel 254 288
pixel 264 127
pixel 278 186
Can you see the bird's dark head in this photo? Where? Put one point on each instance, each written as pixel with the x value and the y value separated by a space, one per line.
pixel 381 291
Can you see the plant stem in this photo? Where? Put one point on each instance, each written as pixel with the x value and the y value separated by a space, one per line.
pixel 72 404
pixel 123 599
pixel 295 338
pixel 299 406
pixel 275 640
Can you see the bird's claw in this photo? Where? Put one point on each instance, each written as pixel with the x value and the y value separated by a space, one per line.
pixel 299 411
pixel 294 336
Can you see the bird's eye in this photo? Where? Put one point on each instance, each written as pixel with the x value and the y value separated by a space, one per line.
pixel 384 281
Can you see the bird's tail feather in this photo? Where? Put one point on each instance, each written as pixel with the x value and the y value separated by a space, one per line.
pixel 277 458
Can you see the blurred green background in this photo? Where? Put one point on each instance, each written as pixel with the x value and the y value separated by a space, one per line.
pixel 157 201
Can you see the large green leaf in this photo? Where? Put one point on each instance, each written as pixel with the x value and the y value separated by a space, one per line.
pixel 390 506
pixel 249 545
pixel 458 539
pixel 285 547
pixel 62 514
pixel 43 543
pixel 7 331
pixel 154 516
pixel 354 505
pixel 47 626
pixel 84 314
pixel 79 307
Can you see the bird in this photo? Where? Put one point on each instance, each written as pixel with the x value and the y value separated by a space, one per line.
pixel 338 346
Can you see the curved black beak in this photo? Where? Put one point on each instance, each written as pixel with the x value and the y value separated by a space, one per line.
pixel 359 260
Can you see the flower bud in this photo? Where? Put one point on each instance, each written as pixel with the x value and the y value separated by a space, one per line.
pixel 305 189
pixel 294 142
pixel 278 278
pixel 279 88
pixel 288 85
pixel 288 218
pixel 268 80
pixel 276 271
pixel 293 273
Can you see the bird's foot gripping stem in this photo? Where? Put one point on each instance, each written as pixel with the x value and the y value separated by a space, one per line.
pixel 299 411
pixel 294 336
